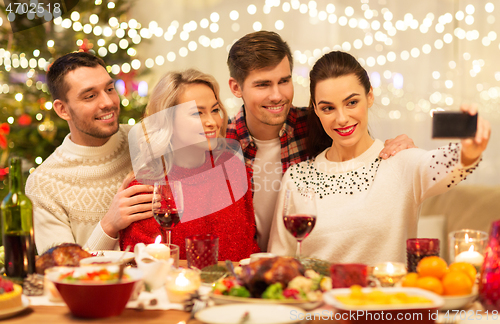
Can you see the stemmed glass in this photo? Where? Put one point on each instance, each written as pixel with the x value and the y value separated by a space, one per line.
pixel 171 201
pixel 299 213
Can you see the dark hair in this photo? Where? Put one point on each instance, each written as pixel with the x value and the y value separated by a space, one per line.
pixel 331 65
pixel 256 51
pixel 69 62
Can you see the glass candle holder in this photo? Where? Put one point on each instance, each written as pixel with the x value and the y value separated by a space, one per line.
pixel 468 245
pixel 489 284
pixel 419 248
pixel 389 273
pixel 181 283
pixel 346 275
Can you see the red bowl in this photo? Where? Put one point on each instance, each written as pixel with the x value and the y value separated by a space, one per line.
pixel 376 314
pixel 95 300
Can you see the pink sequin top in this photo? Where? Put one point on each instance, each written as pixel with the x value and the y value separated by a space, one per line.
pixel 217 200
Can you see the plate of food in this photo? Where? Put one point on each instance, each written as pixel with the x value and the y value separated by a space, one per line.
pixel 113 255
pixel 390 304
pixel 279 280
pixel 9 312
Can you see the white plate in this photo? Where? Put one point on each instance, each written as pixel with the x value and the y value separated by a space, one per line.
pixel 129 256
pixel 244 261
pixel 258 313
pixel 222 299
pixel 11 312
pixel 437 301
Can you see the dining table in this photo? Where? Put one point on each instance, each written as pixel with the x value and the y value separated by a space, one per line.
pixel 60 314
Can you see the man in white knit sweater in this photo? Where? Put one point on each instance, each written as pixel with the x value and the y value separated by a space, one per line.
pixel 80 192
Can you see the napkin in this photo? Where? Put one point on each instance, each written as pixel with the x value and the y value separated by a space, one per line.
pixel 155 271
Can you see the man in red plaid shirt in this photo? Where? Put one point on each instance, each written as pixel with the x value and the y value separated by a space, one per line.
pixel 271 131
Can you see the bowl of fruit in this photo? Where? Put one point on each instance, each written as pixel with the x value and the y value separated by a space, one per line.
pixel 456 283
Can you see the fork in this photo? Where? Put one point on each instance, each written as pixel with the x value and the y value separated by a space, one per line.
pixel 197 306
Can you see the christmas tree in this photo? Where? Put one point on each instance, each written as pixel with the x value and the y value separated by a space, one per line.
pixel 29 44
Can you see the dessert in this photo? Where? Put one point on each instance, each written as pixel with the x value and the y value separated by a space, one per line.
pixel 10 295
pixel 66 254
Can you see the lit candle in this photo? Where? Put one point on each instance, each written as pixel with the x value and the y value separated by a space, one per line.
pixel 181 284
pixel 389 273
pixel 157 250
pixel 473 257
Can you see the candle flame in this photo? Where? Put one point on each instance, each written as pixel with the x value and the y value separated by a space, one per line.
pixel 158 239
pixel 181 280
pixel 390 268
pixel 471 249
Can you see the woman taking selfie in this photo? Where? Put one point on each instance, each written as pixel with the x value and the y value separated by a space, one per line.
pixel 366 207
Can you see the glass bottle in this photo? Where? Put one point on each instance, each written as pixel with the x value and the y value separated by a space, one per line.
pixel 17 226
pixel 489 284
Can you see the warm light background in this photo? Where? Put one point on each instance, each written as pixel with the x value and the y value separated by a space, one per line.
pixel 421 55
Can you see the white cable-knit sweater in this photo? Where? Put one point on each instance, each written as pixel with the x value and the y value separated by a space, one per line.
pixel 367 207
pixel 72 190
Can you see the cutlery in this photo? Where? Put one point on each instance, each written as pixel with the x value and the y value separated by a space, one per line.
pixel 245 317
pixel 230 267
pixel 122 264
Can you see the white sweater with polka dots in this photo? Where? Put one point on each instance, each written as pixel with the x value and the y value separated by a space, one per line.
pixel 367 207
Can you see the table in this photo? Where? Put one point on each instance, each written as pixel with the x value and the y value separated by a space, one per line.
pixel 61 314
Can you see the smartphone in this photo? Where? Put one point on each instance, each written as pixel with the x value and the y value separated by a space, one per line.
pixel 453 124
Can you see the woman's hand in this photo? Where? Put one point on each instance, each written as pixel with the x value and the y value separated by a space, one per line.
pixel 472 148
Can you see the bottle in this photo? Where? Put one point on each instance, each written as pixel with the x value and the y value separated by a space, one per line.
pixel 17 226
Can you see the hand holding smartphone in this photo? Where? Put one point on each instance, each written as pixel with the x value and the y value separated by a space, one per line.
pixel 453 124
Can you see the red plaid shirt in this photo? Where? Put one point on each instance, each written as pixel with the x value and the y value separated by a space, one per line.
pixel 292 137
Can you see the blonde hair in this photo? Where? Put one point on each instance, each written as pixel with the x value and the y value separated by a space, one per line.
pixel 165 96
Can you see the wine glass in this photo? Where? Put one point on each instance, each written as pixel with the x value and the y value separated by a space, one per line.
pixel 171 201
pixel 299 213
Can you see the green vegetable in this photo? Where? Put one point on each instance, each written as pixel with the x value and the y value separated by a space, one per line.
pixel 219 286
pixel 316 282
pixel 274 291
pixel 239 291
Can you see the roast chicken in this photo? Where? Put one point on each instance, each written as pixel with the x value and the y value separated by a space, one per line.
pixel 66 254
pixel 258 275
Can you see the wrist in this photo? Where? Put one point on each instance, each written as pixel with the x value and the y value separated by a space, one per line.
pixel 108 228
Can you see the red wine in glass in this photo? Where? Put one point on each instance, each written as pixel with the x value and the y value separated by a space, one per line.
pixel 166 219
pixel 171 206
pixel 299 225
pixel 299 213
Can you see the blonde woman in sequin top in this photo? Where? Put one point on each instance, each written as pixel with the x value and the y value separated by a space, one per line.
pixel 366 207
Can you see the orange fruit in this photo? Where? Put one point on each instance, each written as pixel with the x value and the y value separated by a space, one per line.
pixel 410 280
pixel 457 283
pixel 430 283
pixel 432 266
pixel 466 268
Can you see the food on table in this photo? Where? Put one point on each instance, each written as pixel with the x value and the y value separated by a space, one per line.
pixel 276 278
pixel 466 268
pixel 99 276
pixel 377 297
pixel 66 254
pixel 258 275
pixel 10 295
pixel 434 275
pixel 457 283
pixel 431 284
pixel 432 266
